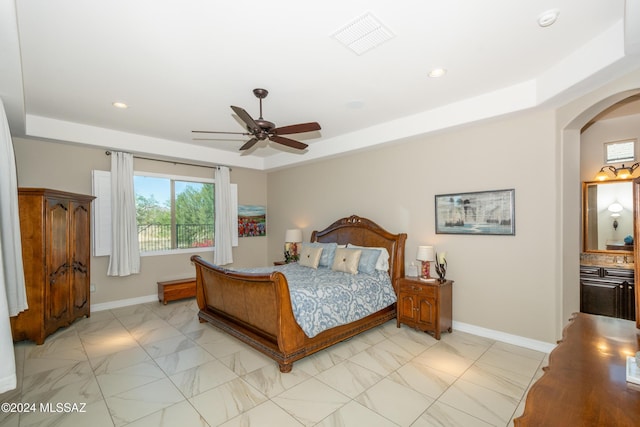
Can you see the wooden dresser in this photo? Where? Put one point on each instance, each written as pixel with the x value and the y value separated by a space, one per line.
pixel 585 382
pixel 56 251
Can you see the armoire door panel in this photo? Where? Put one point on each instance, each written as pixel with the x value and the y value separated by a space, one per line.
pixel 81 226
pixel 58 260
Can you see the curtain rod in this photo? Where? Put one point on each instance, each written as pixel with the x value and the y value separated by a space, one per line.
pixel 108 153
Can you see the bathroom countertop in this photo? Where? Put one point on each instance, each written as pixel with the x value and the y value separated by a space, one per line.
pixel 610 264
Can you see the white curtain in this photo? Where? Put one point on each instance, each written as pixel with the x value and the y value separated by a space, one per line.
pixel 125 251
pixel 13 297
pixel 224 221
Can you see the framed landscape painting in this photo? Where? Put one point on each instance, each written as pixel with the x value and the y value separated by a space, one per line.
pixel 481 212
pixel 252 220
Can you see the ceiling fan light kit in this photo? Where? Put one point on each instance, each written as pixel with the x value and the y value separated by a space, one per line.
pixel 261 129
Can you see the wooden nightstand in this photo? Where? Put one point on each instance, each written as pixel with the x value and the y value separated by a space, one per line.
pixel 425 305
pixel 279 262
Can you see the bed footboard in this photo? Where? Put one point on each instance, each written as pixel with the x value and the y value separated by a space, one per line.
pixel 255 308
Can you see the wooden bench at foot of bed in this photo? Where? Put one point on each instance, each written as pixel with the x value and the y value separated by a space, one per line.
pixel 171 290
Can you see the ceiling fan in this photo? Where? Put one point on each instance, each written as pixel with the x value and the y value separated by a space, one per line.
pixel 262 129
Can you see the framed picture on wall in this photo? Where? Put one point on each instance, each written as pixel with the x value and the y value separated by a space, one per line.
pixel 480 212
pixel 252 220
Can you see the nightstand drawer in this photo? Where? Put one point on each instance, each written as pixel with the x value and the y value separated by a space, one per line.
pixel 415 287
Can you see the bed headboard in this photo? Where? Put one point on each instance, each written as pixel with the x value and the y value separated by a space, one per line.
pixel 364 232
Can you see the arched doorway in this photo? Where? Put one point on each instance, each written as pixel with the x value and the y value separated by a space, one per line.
pixel 570 203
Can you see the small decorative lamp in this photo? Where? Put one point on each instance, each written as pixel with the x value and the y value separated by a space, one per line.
pixel 291 239
pixel 441 265
pixel 425 254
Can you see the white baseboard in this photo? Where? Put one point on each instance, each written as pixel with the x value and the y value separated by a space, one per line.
pixel 529 343
pixel 542 346
pixel 124 302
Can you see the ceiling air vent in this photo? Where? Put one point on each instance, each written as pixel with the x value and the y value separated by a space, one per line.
pixel 363 34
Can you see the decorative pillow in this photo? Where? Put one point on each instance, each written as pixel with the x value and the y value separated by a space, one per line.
pixel 328 252
pixel 368 260
pixel 310 257
pixel 383 258
pixel 346 260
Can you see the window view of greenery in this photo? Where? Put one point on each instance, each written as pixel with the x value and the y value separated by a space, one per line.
pixel 173 214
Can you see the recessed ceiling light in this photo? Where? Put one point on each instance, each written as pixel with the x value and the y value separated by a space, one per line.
pixel 437 72
pixel 118 104
pixel 548 18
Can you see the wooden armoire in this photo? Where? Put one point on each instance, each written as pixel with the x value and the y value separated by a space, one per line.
pixel 56 251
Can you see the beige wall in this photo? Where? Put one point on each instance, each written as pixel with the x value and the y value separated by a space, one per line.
pixel 525 285
pixel 68 167
pixel 505 283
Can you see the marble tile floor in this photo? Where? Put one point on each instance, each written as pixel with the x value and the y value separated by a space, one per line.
pixel 155 365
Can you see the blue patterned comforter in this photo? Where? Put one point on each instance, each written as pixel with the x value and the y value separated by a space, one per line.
pixel 323 298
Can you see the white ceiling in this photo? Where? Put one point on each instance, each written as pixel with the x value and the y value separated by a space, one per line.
pixel 179 65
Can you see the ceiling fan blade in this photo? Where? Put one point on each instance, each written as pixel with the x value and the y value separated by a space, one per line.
pixel 215 131
pixel 299 128
pixel 250 143
pixel 246 118
pixel 215 139
pixel 288 142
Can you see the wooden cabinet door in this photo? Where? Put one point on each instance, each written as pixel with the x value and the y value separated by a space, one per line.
pixel 428 313
pixel 600 297
pixel 629 301
pixel 408 307
pixel 58 266
pixel 80 257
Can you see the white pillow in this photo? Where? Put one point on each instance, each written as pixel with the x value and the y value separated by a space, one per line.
pixel 310 256
pixel 383 259
pixel 346 260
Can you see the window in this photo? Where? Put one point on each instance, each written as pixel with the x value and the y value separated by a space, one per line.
pixel 620 151
pixel 173 213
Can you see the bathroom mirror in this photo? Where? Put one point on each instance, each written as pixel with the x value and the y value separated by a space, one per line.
pixel 607 209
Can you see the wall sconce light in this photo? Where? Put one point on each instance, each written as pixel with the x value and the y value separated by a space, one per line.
pixel 426 254
pixel 291 240
pixel 615 209
pixel 623 172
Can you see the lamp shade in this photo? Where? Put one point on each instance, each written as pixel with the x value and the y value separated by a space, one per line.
pixel 293 236
pixel 426 253
pixel 615 207
pixel 623 172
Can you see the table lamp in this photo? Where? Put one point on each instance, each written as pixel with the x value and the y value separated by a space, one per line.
pixel 426 254
pixel 291 239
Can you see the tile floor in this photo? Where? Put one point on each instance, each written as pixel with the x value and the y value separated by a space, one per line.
pixel 154 365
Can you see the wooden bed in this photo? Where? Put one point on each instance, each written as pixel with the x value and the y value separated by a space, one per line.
pixel 256 308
